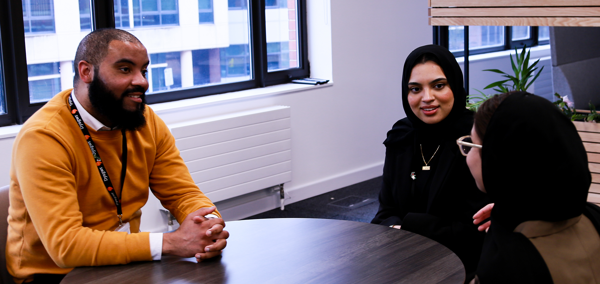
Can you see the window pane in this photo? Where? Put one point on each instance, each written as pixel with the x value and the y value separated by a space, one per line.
pixel 85 20
pixel 179 60
pixel 544 33
pixel 479 37
pixel 237 4
pixel 44 81
pixel 456 38
pixel 521 33
pixel 50 55
pixel 205 11
pixel 485 37
pixel 38 16
pixel 130 14
pixel 149 5
pixel 282 35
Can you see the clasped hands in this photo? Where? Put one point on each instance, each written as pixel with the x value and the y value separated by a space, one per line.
pixel 197 236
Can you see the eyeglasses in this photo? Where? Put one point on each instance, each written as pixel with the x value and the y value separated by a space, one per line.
pixel 465 144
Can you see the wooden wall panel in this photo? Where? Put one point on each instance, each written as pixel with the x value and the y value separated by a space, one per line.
pixel 515 13
pixel 510 3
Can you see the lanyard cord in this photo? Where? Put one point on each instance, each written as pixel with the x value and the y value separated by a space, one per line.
pixel 99 164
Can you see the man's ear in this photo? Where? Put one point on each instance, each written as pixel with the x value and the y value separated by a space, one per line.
pixel 86 71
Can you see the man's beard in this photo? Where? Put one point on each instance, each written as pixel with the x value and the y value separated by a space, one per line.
pixel 107 104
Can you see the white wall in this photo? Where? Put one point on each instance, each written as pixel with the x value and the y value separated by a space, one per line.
pixel 337 131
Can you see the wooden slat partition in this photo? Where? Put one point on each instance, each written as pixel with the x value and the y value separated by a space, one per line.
pixel 590 135
pixel 514 13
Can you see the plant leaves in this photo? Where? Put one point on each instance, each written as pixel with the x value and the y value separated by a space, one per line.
pixel 495 84
pixel 534 78
pixel 495 71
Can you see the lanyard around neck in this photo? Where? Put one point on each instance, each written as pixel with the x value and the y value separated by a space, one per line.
pixel 99 163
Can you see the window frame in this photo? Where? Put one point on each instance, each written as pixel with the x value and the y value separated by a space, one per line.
pixel 12 44
pixel 441 37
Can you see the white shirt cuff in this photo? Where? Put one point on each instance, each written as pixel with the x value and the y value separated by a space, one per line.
pixel 211 216
pixel 156 241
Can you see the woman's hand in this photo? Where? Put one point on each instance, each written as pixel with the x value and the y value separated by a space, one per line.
pixel 481 215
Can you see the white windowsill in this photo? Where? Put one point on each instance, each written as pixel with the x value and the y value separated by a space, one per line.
pixel 176 106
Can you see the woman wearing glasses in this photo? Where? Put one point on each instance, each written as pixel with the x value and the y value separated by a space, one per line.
pixel 529 159
pixel 427 188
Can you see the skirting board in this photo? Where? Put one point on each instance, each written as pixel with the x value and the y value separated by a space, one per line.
pixel 302 192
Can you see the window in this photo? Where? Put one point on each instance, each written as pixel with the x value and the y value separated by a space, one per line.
pixel 483 39
pixel 164 71
pixel 44 81
pixel 140 13
pixel 237 4
pixel 205 11
pixel 85 15
pixel 544 35
pixel 238 46
pixel 282 34
pixel 235 62
pixel 38 16
pixel 274 4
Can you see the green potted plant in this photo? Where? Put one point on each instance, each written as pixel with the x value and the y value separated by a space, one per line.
pixel 520 79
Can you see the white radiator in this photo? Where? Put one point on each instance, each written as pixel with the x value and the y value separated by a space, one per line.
pixel 234 154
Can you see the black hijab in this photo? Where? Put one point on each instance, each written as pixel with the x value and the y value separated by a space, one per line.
pixel 446 60
pixel 534 165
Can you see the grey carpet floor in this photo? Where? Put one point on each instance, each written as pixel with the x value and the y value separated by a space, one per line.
pixel 357 202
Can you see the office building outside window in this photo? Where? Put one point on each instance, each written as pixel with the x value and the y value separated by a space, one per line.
pixel 165 71
pixel 189 57
pixel 205 11
pixel 480 37
pixel 521 33
pixel 544 34
pixel 85 15
pixel 44 81
pixel 237 4
pixel 38 16
pixel 282 35
pixel 143 13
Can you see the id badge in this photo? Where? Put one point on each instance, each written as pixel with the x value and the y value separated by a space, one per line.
pixel 124 228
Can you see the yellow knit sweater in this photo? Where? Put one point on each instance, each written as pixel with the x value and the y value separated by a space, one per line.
pixel 61 215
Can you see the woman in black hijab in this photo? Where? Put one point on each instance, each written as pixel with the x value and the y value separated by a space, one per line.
pixel 427 188
pixel 533 165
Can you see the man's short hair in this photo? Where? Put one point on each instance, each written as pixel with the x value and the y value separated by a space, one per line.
pixel 94 46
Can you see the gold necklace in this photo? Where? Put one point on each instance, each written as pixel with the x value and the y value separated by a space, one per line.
pixel 426 167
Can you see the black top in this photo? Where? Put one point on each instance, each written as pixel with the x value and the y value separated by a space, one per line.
pixel 440 203
pixel 534 167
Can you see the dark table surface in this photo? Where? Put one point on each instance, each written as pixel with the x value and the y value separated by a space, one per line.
pixel 298 251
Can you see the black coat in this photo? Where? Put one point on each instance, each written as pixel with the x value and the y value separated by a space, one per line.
pixel 453 197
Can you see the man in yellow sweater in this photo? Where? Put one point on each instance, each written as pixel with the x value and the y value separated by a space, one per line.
pixel 81 168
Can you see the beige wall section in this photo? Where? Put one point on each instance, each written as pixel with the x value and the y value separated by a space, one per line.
pixel 337 131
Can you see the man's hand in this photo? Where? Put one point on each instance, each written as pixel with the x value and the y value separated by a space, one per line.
pixel 197 236
pixel 481 215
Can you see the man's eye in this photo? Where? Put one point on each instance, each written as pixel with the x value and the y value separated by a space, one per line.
pixel 125 69
pixel 144 73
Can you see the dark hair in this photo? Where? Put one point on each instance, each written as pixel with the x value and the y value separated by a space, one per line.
pixel 94 46
pixel 486 111
pixel 426 57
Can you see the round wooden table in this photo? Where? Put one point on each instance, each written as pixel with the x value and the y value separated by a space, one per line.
pixel 298 251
